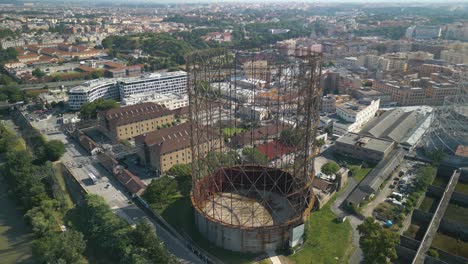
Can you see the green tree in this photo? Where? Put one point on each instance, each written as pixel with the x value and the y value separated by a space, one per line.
pixel 44 218
pixel 319 143
pixel 290 137
pixel 112 240
pixel 20 173
pixel 161 191
pixel 330 168
pixel 436 156
pixel 6 80
pixel 378 244
pixel 148 246
pixel 254 156
pixel 96 75
pixel 216 159
pixel 182 173
pixel 53 150
pixel 3 97
pixel 38 73
pixel 64 247
pixel 90 110
pixel 424 177
pixel 8 54
pixel 433 253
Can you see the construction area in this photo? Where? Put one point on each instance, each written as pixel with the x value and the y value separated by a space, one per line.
pixel 449 131
pixel 253 196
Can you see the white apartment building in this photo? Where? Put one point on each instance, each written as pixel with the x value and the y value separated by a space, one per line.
pixel 162 83
pixel 171 100
pixel 119 88
pixel 354 115
pixel 92 90
pixel 235 93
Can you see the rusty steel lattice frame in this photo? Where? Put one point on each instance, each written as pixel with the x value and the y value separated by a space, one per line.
pixel 219 169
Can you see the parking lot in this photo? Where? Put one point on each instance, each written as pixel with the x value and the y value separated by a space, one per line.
pixel 396 190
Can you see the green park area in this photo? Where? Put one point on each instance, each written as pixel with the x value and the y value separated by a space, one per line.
pixel 462 187
pixel 327 240
pixel 451 244
pixel 229 132
pixel 358 168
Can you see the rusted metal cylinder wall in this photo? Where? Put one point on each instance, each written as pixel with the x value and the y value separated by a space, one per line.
pixel 255 240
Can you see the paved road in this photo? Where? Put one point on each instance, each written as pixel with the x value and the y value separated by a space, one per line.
pixel 49 85
pixel 80 164
pixel 353 220
pixel 368 209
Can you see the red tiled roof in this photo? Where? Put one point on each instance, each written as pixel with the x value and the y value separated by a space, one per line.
pixel 274 149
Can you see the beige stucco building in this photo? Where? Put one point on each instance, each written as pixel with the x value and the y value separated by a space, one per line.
pixel 130 121
pixel 167 147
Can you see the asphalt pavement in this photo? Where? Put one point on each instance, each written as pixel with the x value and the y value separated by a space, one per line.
pixel 81 164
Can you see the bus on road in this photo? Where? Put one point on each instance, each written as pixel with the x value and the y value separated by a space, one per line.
pixel 92 177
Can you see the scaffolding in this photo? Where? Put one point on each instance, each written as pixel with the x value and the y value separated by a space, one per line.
pixel 449 130
pixel 254 119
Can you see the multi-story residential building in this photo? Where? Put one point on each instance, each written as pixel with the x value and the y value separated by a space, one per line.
pixel 371 94
pixel 353 115
pixel 420 92
pixel 167 147
pixel 328 104
pixel 434 48
pixel 393 62
pixel 171 101
pixel 423 32
pixel 130 121
pixel 92 90
pixel 454 57
pixel 257 69
pixel 404 95
pixel 162 83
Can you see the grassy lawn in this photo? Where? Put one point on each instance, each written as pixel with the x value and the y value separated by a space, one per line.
pixel 462 187
pixel 360 172
pixel 429 204
pixel 231 131
pixel 451 245
pixel 412 231
pixel 59 171
pixel 181 216
pixel 440 181
pixel 457 213
pixel 327 241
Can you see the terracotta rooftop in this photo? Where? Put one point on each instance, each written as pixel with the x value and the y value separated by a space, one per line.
pixel 167 140
pixel 274 149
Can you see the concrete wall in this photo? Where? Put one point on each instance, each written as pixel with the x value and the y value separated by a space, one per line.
pixel 242 240
pixel 458 198
pixel 405 255
pixel 421 217
pixel 410 243
pixel 449 258
pixel 454 229
pixel 431 260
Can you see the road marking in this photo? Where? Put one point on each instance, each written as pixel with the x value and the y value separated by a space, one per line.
pixel 273 257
